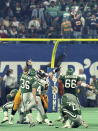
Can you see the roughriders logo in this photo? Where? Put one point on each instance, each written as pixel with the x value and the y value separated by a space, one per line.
pixel 54 94
pixel 87 64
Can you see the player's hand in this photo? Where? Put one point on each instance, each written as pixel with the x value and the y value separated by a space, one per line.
pixel 78 91
pixel 36 102
pixel 51 75
pixel 92 87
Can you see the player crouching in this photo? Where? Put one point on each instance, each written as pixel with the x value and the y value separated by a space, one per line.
pixel 70 108
pixel 11 98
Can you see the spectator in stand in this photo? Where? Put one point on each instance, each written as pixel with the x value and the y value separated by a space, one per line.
pixel 8 12
pixel 25 13
pixel 51 32
pixel 82 75
pixel 8 3
pixel 2 92
pixel 32 4
pixel 97 22
pixel 10 82
pixel 32 32
pixel 6 22
pixel 1 21
pixel 35 12
pixel 13 32
pixel 35 23
pixel 42 16
pixel 57 25
pixel 91 97
pixel 66 28
pixel 38 12
pixel 81 89
pixel 63 5
pixel 93 27
pixel 22 32
pixel 15 22
pixel 66 12
pixel 20 26
pixel 18 10
pixel 94 83
pixel 3 32
pixel 52 11
pixel 77 25
pixel 85 31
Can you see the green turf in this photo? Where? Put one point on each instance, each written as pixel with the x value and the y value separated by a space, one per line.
pixel 89 114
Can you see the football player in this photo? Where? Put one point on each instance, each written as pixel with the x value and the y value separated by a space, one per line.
pixel 43 98
pixel 28 85
pixel 70 107
pixel 11 102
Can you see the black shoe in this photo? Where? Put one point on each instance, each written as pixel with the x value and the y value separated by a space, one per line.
pixel 3 121
pixel 22 122
pixel 40 122
pixel 32 124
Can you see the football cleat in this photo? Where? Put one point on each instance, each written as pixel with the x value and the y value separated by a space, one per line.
pixel 11 120
pixel 22 122
pixel 84 124
pixel 48 122
pixel 67 124
pixel 5 119
pixel 32 124
pixel 59 119
pixel 39 122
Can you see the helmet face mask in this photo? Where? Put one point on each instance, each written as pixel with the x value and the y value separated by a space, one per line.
pixel 70 71
pixel 32 72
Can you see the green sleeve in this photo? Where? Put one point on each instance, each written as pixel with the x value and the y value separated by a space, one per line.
pixel 78 79
pixel 61 77
pixel 35 84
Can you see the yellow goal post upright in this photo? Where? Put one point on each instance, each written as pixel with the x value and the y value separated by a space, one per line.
pixel 55 41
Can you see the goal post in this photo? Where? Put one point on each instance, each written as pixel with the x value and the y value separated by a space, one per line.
pixel 44 52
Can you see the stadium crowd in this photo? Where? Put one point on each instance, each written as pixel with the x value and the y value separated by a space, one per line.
pixel 48 18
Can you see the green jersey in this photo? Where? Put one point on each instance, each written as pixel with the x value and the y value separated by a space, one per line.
pixel 70 83
pixel 27 82
pixel 41 90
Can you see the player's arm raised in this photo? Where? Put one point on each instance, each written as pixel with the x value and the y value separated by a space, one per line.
pixel 34 93
pixel 80 83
